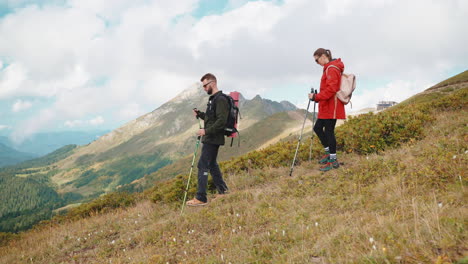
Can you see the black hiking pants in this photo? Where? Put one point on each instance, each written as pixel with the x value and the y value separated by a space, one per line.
pixel 208 163
pixel 325 130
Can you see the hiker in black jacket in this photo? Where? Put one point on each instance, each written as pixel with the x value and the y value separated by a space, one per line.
pixel 215 118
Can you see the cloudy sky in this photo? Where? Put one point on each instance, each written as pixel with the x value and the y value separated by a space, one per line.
pixel 97 64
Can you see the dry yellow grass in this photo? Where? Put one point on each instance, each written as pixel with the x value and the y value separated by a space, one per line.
pixel 406 205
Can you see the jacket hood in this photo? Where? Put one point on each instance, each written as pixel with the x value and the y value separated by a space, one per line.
pixel 335 62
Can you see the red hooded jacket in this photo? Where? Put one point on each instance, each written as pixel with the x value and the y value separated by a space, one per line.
pixel 330 107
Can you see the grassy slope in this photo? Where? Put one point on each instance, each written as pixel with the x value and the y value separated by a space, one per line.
pixel 26 193
pixel 95 174
pixel 403 205
pixel 459 78
pixel 98 168
pixel 250 140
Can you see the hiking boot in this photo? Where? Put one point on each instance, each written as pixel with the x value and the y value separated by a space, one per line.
pixel 196 202
pixel 224 193
pixel 324 158
pixel 222 190
pixel 331 164
pixel 221 194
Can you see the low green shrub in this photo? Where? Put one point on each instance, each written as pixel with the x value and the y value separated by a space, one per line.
pixel 102 204
pixel 370 133
pixel 364 134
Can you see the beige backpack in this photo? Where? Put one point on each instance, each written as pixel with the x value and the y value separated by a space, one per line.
pixel 347 86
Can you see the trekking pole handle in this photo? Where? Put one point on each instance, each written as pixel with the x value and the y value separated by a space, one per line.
pixel 312 91
pixel 198 112
pixel 199 124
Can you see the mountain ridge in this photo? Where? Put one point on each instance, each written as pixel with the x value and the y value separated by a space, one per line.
pixel 10 156
pixel 138 148
pixel 399 198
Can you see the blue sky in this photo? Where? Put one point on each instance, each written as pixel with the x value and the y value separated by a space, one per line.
pixel 95 65
pixel 210 7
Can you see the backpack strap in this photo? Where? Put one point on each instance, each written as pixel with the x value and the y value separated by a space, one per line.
pixel 341 73
pixel 326 70
pixel 340 81
pixel 220 93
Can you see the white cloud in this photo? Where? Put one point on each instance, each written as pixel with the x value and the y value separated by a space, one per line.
pixel 252 20
pixel 99 120
pixel 21 105
pixel 27 128
pixel 397 91
pixel 95 56
pixel 74 123
pixel 11 79
pixel 4 127
pixel 50 40
pixel 131 111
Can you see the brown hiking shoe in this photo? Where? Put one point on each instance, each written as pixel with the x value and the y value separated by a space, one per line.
pixel 196 202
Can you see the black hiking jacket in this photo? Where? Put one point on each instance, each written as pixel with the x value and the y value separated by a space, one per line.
pixel 215 118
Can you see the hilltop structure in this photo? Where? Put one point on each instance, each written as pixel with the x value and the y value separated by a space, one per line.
pixel 385 104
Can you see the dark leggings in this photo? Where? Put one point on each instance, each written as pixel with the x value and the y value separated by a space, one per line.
pixel 325 130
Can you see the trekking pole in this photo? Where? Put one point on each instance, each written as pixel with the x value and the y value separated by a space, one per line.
pixel 313 124
pixel 300 137
pixel 191 167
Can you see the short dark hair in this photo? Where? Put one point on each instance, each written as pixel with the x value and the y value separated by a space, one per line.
pixel 321 51
pixel 208 76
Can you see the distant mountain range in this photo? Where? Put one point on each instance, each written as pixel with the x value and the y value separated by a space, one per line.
pixel 149 143
pixel 9 156
pixel 403 182
pixel 139 148
pixel 43 143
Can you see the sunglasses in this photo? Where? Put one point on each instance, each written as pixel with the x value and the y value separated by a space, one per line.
pixel 204 86
pixel 316 60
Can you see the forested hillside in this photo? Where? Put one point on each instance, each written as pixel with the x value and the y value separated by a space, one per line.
pixel 127 154
pixel 27 195
pixel 399 197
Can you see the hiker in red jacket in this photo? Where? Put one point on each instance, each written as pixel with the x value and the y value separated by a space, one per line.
pixel 330 107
